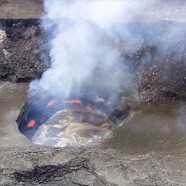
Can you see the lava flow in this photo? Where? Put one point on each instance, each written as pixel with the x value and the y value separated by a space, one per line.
pixel 50 104
pixel 73 102
pixel 53 103
pixel 31 123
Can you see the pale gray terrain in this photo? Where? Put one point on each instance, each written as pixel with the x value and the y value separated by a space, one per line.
pixel 21 9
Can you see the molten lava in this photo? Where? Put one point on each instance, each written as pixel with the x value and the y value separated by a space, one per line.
pixel 73 102
pixel 50 104
pixel 31 123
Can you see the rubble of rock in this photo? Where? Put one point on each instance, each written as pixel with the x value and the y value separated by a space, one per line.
pixel 21 49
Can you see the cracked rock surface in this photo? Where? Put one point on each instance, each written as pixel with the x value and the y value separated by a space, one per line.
pixel 49 166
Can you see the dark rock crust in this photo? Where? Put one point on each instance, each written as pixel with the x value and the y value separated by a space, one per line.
pixel 21 52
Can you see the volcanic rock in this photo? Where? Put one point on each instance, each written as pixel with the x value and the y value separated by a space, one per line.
pixel 22 46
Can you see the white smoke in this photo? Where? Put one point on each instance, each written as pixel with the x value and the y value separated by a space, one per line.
pixel 83 52
pixel 80 45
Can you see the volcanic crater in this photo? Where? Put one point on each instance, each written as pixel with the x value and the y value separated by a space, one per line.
pixel 146 149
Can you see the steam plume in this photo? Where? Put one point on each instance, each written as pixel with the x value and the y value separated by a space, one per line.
pixel 84 46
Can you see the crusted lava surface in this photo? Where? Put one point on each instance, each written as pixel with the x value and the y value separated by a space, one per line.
pixel 98 116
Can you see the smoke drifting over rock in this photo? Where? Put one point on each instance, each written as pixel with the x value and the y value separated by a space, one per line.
pixel 89 42
pixel 81 49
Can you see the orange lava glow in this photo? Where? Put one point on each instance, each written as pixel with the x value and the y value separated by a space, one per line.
pixel 31 123
pixel 50 104
pixel 73 102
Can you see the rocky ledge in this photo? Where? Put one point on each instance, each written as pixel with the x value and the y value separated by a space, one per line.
pixel 21 51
